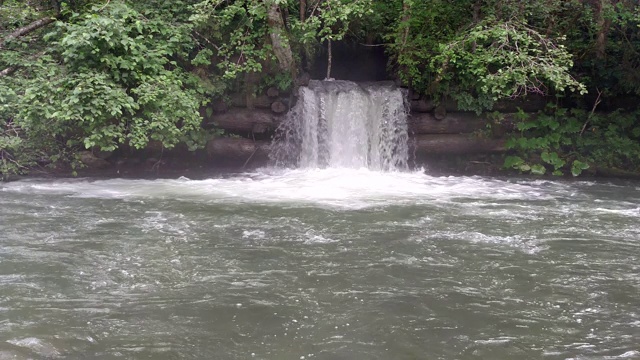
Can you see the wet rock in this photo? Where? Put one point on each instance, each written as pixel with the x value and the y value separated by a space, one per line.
pixel 90 160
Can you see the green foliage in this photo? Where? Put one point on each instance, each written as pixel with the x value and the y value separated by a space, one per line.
pixel 107 77
pixel 330 20
pixel 233 35
pixel 11 147
pixel 123 81
pixel 613 140
pixel 546 141
pixel 574 140
pixel 420 27
pixel 478 52
pixel 281 81
pixel 498 59
pixel 605 36
pixel 577 167
pixel 15 153
pixel 127 72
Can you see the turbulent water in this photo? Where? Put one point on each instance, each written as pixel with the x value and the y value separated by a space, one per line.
pixel 342 124
pixel 319 264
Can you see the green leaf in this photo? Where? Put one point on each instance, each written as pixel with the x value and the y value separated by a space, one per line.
pixel 546 157
pixel 513 162
pixel 538 169
pixel 577 167
pixel 526 125
pixel 524 167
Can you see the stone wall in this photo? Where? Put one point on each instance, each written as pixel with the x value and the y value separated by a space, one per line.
pixel 435 131
pixel 249 123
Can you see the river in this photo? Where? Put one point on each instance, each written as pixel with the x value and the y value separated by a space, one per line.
pixel 319 264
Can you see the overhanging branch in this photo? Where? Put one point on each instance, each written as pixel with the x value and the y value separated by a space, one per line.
pixel 27 29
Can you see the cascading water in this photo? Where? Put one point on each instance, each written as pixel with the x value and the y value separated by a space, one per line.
pixel 342 124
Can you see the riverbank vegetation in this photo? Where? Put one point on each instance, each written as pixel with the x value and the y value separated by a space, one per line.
pixel 108 74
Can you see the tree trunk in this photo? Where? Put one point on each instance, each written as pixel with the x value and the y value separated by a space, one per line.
pixel 238 152
pixel 264 121
pixel 262 102
pixel 422 106
pixel 477 8
pixel 303 10
pixel 617 173
pixel 406 8
pixel 454 145
pixel 604 24
pixel 279 39
pixel 26 29
pixel 329 55
pixel 457 123
pixel 403 39
pixel 242 120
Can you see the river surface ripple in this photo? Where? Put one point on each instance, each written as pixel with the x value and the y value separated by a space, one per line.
pixel 319 264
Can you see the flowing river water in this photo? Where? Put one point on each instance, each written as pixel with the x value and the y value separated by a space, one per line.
pixel 320 264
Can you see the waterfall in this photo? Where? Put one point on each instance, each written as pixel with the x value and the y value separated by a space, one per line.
pixel 342 124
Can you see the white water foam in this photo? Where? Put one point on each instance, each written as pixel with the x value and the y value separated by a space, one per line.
pixel 335 187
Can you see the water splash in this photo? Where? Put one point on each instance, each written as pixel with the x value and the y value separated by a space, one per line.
pixel 342 124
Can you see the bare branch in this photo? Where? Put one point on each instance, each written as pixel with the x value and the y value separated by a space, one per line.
pixel 11 69
pixel 104 6
pixel 593 110
pixel 207 40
